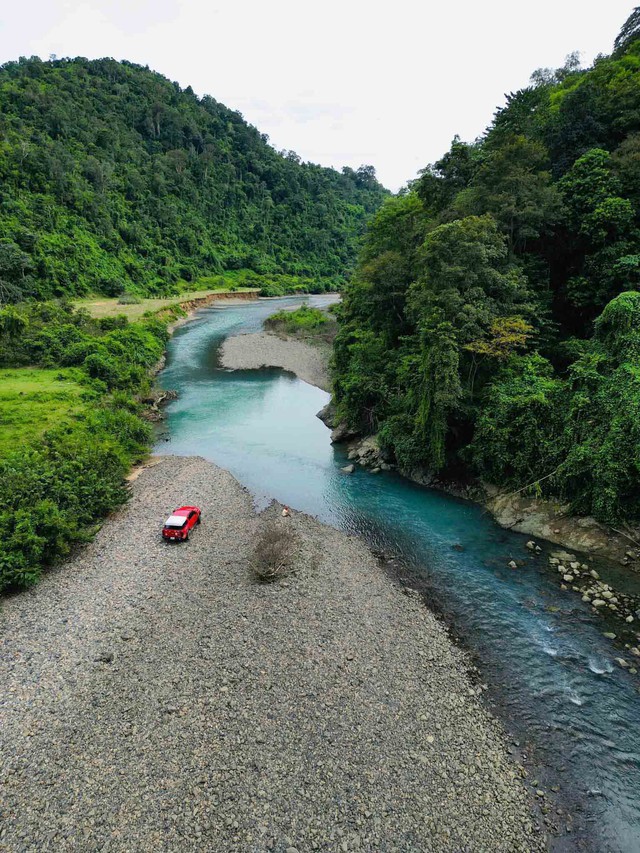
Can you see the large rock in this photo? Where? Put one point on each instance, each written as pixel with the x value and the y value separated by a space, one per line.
pixel 342 433
pixel 327 415
pixel 367 452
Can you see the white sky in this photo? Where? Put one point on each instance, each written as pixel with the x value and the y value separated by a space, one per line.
pixel 342 82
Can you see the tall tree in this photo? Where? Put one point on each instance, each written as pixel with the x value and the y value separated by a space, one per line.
pixel 630 31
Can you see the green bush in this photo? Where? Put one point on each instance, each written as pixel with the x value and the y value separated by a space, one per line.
pixel 303 320
pixel 52 495
pixel 129 299
pixel 519 432
pixel 50 498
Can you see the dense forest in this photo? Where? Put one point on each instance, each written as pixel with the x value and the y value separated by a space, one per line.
pixel 113 178
pixel 493 324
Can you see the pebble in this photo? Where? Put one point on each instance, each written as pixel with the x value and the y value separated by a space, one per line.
pixel 232 688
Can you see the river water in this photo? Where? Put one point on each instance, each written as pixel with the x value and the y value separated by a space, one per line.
pixel 552 676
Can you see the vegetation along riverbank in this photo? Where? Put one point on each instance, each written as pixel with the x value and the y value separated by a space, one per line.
pixel 491 333
pixel 71 425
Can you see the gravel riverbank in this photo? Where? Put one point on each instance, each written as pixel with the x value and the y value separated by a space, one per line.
pixel 247 352
pixel 154 697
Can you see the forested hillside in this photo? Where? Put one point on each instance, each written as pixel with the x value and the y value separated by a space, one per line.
pixel 113 178
pixel 494 320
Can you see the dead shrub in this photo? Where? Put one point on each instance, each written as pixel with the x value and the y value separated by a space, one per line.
pixel 274 551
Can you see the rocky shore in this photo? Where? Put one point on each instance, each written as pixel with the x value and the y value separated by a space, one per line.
pixel 534 516
pixel 538 518
pixel 545 519
pixel 157 697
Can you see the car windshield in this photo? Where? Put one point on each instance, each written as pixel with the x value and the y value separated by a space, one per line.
pixel 175 521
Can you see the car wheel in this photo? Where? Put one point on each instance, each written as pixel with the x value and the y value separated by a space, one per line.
pixel 199 519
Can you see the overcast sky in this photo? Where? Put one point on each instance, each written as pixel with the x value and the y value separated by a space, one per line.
pixel 342 82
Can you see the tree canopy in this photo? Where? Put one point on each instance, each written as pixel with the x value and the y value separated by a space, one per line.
pixel 493 319
pixel 113 178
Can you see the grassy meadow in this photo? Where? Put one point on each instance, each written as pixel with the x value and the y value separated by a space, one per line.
pixel 34 400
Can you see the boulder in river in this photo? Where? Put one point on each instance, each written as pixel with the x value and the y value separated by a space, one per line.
pixel 348 469
pixel 341 433
pixel 327 415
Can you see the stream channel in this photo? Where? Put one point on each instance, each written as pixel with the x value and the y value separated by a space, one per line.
pixel 551 674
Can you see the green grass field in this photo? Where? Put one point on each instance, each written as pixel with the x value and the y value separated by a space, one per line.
pixel 33 400
pixel 102 307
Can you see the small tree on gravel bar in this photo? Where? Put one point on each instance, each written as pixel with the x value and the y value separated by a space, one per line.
pixel 274 552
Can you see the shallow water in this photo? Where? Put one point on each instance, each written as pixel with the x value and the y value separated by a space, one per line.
pixel 550 671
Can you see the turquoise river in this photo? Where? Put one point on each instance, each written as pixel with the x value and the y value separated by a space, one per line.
pixel 551 674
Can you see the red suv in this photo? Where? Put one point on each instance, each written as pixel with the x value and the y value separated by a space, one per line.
pixel 180 523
